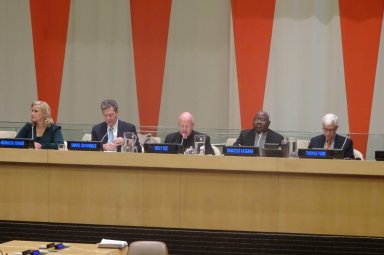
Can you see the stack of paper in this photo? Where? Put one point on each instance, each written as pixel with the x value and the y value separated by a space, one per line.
pixel 107 243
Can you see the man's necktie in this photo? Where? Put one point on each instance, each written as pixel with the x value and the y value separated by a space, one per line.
pixel 110 135
pixel 328 145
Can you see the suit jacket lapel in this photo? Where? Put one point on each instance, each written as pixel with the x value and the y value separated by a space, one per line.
pixel 120 129
pixel 322 141
pixel 338 142
pixel 253 137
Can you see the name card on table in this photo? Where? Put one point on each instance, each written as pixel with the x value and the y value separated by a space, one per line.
pixel 241 151
pixel 84 145
pixel 321 154
pixel 18 143
pixel 168 148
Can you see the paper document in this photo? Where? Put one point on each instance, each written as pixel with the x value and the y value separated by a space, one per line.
pixel 107 243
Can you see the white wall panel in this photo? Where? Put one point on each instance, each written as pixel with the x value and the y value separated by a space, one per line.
pixel 197 62
pixel 98 62
pixel 375 141
pixel 17 66
pixel 305 76
pixel 233 98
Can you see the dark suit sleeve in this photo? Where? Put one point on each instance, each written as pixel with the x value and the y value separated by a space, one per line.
pixel 94 134
pixel 310 145
pixel 173 138
pixel 53 138
pixel 25 131
pixel 208 146
pixel 348 150
pixel 239 140
pixel 167 139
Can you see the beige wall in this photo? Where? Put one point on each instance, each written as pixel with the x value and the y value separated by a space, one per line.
pixel 305 74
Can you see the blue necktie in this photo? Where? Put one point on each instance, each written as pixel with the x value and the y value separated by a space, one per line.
pixel 110 135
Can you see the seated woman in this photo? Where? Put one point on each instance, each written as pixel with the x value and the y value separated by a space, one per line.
pixel 42 129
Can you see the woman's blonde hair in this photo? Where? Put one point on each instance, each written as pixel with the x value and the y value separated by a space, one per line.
pixel 46 110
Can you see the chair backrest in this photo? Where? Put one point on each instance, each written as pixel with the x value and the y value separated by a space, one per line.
pixel 156 139
pixel 147 248
pixel 230 141
pixel 87 137
pixel 216 150
pixel 302 144
pixel 7 134
pixel 358 154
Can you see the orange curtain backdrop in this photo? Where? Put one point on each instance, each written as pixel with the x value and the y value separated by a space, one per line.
pixel 361 23
pixel 150 25
pixel 49 28
pixel 252 27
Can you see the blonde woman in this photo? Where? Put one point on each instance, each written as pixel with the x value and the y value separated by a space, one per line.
pixel 42 129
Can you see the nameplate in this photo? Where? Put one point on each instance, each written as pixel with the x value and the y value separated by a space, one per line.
pixel 84 145
pixel 321 154
pixel 379 155
pixel 240 151
pixel 168 148
pixel 17 143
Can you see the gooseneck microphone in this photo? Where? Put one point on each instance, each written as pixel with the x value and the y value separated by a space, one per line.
pixel 33 132
pixel 345 140
pixel 106 133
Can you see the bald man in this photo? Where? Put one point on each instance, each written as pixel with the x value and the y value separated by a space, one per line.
pixel 186 134
pixel 260 134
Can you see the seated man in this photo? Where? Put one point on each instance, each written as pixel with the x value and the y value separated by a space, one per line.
pixel 260 134
pixel 110 132
pixel 186 134
pixel 331 140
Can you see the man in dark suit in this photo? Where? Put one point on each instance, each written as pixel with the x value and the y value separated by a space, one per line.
pixel 111 131
pixel 260 134
pixel 330 139
pixel 186 134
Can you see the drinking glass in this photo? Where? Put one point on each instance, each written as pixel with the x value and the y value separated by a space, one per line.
pixel 61 147
pixel 199 144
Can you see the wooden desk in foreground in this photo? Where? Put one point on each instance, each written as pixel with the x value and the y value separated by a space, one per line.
pixel 189 191
pixel 75 249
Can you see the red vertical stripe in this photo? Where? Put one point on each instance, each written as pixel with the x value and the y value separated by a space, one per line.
pixel 361 22
pixel 49 28
pixel 252 25
pixel 150 24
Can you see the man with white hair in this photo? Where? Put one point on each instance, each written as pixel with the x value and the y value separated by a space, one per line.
pixel 186 134
pixel 330 139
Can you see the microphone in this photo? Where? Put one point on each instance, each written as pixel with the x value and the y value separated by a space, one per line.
pixel 106 133
pixel 33 131
pixel 345 140
pixel 342 147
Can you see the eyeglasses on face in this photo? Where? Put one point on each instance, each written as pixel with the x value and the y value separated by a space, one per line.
pixel 329 130
pixel 260 120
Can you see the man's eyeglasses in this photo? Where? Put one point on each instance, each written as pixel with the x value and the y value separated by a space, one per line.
pixel 329 130
pixel 258 120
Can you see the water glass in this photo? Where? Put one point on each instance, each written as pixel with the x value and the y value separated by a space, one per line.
pixel 199 144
